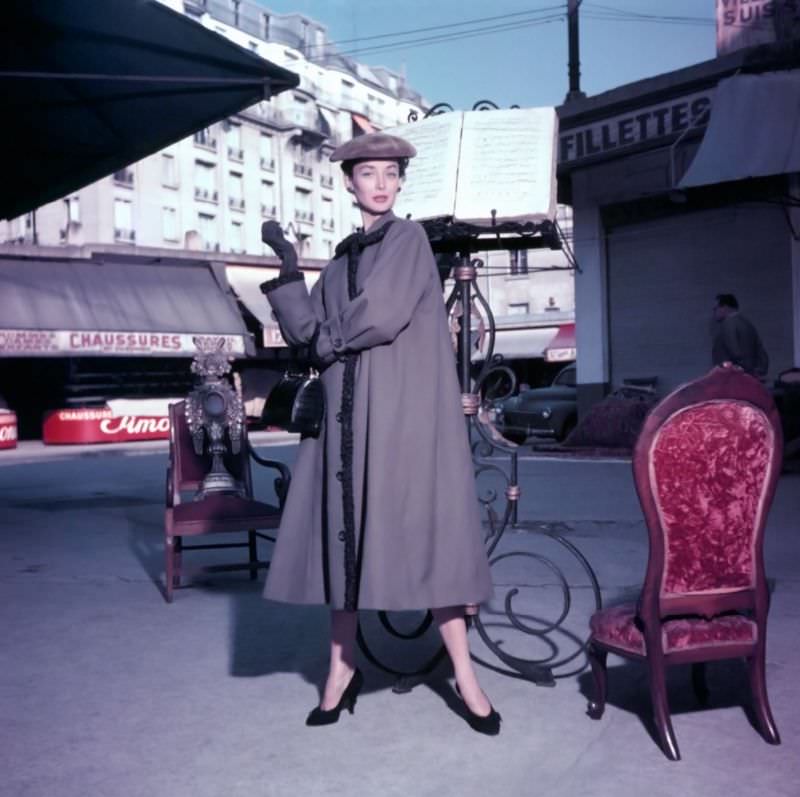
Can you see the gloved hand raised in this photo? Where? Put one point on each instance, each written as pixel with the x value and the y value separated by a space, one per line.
pixel 272 235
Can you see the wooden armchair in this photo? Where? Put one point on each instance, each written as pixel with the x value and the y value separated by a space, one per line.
pixel 218 512
pixel 705 467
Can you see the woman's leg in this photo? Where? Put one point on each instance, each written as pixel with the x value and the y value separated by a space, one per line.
pixel 343 656
pixel 453 629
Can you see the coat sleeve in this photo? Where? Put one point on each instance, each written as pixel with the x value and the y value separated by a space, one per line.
pixel 298 313
pixel 402 274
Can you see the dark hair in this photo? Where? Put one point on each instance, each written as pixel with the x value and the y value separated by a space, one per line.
pixel 727 300
pixel 348 166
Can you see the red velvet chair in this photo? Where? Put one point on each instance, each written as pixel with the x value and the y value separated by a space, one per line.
pixel 217 513
pixel 705 466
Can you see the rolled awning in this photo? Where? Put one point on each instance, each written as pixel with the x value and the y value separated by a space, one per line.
pixel 519 344
pixel 562 347
pixel 78 308
pixel 245 282
pixel 754 130
pixel 362 123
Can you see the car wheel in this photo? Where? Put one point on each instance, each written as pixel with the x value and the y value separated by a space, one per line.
pixel 567 428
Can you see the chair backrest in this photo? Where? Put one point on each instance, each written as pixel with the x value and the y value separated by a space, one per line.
pixel 706 466
pixel 189 469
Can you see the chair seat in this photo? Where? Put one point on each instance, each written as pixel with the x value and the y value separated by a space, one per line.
pixel 618 627
pixel 223 512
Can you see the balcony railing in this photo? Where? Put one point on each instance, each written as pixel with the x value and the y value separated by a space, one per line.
pixel 236 153
pixel 202 139
pixel 268 164
pixel 206 194
pixel 269 210
pixel 327 224
pixel 326 180
pixel 306 216
pixel 124 177
pixel 124 235
pixel 212 246
pixel 301 170
pixel 236 203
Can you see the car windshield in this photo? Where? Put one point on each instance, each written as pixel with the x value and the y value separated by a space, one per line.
pixel 566 378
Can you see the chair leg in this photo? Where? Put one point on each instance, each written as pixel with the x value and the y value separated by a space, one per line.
pixel 699 682
pixel 169 555
pixel 597 658
pixel 658 695
pixel 177 561
pixel 252 545
pixel 758 687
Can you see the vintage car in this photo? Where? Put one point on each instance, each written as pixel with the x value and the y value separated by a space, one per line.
pixel 543 412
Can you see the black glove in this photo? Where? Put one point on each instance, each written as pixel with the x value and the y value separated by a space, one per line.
pixel 272 235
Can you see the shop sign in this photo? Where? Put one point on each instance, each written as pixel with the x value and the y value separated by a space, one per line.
pixel 101 425
pixel 42 343
pixel 640 126
pixel 272 337
pixel 8 430
pixel 748 23
pixel 560 355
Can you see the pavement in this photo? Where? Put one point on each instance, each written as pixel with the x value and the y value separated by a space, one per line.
pixel 107 691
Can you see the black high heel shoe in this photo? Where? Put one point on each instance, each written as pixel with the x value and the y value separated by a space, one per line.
pixel 488 725
pixel 347 701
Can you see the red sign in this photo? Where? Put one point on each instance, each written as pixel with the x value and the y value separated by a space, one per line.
pixel 100 425
pixel 8 430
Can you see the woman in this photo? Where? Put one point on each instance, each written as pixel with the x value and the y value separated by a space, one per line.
pixel 376 516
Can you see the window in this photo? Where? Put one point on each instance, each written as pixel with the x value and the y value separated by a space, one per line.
pixel 327 214
pixel 268 204
pixel 236 241
pixel 519 308
pixel 207 227
pixel 235 191
pixel 265 24
pixel 519 261
pixel 123 214
pixel 327 247
pixel 233 138
pixel 205 181
pixel 265 151
pixel 302 206
pixel 123 220
pixel 169 170
pixel 169 224
pixel 205 139
pixel 235 186
pixel 72 210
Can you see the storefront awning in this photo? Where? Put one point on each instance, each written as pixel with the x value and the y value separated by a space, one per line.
pixel 562 347
pixel 362 123
pixel 754 130
pixel 245 282
pixel 89 88
pixel 77 308
pixel 519 344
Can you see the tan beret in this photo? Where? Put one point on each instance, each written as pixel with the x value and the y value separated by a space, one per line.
pixel 374 146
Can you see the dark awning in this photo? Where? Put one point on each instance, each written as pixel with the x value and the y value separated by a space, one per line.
pixel 754 130
pixel 77 308
pixel 89 88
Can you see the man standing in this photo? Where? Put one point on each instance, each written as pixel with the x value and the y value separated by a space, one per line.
pixel 735 339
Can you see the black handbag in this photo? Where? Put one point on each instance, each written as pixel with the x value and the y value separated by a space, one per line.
pixel 296 404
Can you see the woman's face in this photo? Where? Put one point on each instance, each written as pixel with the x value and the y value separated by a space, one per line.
pixel 375 185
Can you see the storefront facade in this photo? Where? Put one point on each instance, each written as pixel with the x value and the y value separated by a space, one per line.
pixel 673 205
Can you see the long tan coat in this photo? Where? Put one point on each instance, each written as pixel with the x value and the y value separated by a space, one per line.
pixel 418 532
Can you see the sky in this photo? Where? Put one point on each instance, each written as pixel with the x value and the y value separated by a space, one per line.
pixel 519 55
